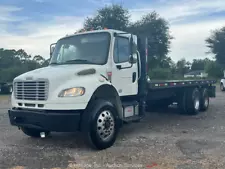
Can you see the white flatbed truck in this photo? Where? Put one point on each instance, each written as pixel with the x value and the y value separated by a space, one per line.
pixel 97 81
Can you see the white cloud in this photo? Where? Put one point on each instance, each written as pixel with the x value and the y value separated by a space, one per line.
pixel 190 37
pixel 6 14
pixel 41 35
pixel 179 9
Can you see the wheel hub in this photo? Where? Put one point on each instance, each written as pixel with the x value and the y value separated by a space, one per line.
pixel 105 125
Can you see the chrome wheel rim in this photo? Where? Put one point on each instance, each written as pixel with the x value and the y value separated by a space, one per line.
pixel 206 102
pixel 197 103
pixel 105 125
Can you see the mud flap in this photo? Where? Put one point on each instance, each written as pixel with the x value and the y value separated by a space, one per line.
pixel 212 91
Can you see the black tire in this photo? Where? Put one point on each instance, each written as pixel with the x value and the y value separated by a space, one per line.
pixel 189 102
pixel 90 124
pixel 33 132
pixel 222 87
pixel 204 100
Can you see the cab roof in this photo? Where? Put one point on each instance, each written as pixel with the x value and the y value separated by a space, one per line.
pixel 94 31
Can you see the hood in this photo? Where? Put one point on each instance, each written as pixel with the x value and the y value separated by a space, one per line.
pixel 60 72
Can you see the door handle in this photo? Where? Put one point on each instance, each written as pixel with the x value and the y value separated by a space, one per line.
pixel 119 67
pixel 134 76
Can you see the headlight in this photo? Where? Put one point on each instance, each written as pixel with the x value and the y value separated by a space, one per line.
pixel 72 92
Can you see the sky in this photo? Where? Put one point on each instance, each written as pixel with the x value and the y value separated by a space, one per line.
pixel 34 24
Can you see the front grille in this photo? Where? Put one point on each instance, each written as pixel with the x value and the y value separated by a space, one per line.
pixel 31 90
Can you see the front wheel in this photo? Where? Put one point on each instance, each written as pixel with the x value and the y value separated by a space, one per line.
pixel 101 124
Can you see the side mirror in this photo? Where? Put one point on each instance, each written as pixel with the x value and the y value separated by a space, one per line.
pixel 52 48
pixel 131 45
pixel 132 59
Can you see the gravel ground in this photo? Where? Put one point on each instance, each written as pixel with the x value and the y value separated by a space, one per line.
pixel 163 140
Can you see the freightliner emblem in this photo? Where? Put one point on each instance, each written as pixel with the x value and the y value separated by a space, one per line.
pixel 29 78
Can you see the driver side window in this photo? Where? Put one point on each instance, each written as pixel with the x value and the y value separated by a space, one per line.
pixel 121 50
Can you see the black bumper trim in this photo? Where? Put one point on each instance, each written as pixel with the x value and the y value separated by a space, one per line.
pixel 47 121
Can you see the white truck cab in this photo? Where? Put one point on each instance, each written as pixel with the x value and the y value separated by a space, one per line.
pixel 91 85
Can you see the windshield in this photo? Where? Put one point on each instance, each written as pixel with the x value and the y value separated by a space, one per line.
pixel 89 48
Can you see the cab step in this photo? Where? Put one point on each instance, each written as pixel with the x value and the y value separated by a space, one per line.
pixel 131 111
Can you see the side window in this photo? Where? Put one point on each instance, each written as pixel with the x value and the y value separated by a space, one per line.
pixel 121 50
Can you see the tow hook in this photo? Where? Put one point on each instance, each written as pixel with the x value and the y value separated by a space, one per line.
pixel 42 134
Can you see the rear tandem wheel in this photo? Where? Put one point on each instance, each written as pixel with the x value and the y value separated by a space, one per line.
pixel 189 101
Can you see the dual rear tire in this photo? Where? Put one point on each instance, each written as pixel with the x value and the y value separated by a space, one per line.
pixel 193 100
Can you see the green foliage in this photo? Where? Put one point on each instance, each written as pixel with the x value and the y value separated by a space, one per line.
pixel 14 63
pixel 199 64
pixel 182 67
pixel 111 17
pixel 157 30
pixel 213 69
pixel 151 25
pixel 216 43
pixel 160 73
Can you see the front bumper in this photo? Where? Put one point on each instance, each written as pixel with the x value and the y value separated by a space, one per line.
pixel 46 120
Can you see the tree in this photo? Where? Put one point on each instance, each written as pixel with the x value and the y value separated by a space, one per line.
pixel 199 64
pixel 156 29
pixel 216 43
pixel 15 62
pixel 183 66
pixel 39 59
pixel 111 17
pixel 213 69
pixel 22 55
pixel 151 25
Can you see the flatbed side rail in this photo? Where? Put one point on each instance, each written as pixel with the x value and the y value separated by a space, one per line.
pixel 177 83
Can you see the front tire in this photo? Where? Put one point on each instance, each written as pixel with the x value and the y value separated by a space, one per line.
pixel 100 124
pixel 33 132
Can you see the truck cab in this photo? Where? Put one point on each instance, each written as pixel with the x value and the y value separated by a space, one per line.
pixel 95 82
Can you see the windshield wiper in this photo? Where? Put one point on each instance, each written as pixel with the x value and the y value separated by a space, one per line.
pixel 79 60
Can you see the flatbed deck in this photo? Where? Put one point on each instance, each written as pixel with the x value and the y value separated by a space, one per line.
pixel 159 84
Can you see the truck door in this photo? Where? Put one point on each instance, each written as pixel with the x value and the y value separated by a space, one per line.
pixel 124 74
